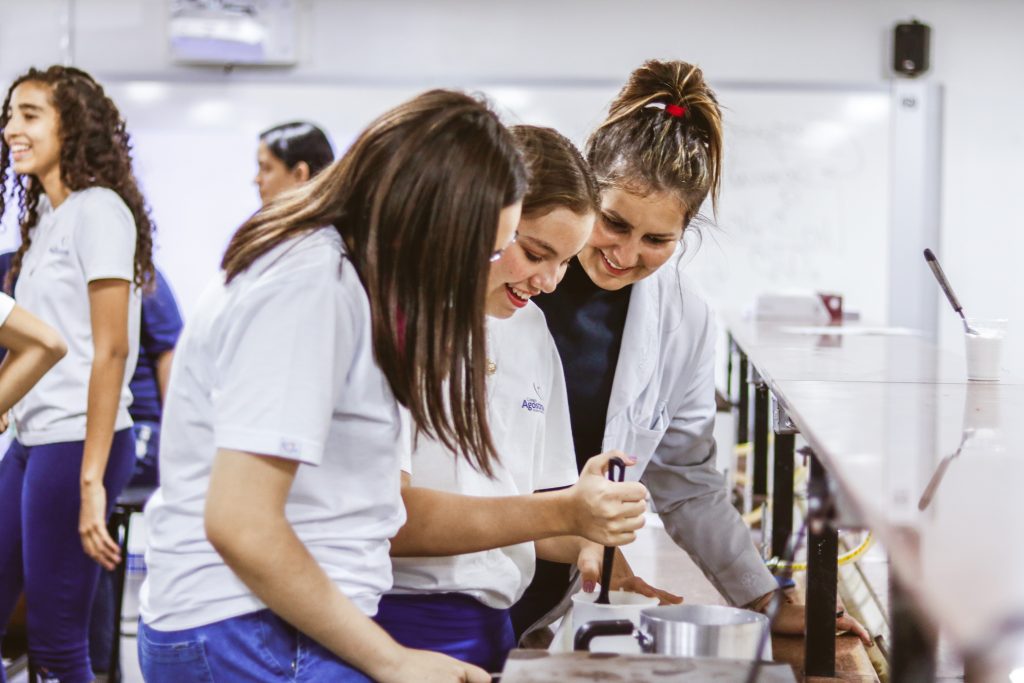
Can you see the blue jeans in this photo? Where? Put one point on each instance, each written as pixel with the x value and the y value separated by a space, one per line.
pixel 454 624
pixel 41 551
pixel 254 647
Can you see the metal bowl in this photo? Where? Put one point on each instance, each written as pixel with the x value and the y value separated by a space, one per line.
pixel 688 631
pixel 704 631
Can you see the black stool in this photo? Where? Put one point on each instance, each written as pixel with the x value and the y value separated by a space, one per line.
pixel 130 501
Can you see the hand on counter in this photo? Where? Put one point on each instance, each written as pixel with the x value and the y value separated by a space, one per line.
pixel 792 620
pixel 589 563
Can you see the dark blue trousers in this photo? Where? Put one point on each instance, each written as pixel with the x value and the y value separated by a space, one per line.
pixel 145 475
pixel 41 553
pixel 454 624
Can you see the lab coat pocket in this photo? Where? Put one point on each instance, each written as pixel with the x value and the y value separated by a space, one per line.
pixel 659 421
pixel 640 443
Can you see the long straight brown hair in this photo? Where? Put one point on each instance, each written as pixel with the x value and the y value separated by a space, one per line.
pixel 416 200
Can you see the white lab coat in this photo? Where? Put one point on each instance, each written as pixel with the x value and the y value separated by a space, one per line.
pixel 662 411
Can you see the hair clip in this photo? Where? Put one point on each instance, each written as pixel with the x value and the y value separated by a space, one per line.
pixel 677 111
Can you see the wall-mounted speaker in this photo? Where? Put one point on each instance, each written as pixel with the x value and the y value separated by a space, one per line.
pixel 911 45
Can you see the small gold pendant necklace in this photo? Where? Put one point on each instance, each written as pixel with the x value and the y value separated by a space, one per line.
pixel 491 367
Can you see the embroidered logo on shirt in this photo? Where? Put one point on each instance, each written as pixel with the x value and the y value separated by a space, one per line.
pixel 533 405
pixel 61 249
pixel 289 447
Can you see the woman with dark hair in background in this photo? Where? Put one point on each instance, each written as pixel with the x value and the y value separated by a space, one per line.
pixel 84 259
pixel 637 340
pixel 361 291
pixel 289 155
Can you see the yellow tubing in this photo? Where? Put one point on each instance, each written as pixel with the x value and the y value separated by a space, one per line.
pixel 754 516
pixel 845 558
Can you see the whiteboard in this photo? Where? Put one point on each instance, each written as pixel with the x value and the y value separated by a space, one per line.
pixel 804 200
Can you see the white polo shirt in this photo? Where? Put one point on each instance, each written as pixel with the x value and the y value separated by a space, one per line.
pixel 6 306
pixel 280 362
pixel 528 413
pixel 90 236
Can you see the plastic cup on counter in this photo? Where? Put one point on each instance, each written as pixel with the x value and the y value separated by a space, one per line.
pixel 984 344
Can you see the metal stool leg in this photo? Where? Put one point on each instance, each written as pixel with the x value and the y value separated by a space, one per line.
pixel 782 494
pixel 120 523
pixel 743 402
pixel 730 348
pixel 822 577
pixel 782 481
pixel 759 489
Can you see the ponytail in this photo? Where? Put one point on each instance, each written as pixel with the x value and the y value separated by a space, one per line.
pixel 663 133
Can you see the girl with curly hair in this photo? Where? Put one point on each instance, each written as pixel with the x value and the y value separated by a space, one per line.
pixel 84 258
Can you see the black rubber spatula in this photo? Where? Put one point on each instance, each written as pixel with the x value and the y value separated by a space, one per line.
pixel 609 551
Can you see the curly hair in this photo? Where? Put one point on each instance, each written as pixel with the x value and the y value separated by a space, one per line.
pixel 95 151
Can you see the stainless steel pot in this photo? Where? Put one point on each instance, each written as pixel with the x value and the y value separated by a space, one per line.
pixel 688 631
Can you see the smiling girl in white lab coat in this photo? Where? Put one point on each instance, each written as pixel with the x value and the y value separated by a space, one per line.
pixel 636 339
pixel 282 438
pixel 460 604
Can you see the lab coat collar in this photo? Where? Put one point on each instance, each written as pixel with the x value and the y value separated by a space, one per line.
pixel 638 353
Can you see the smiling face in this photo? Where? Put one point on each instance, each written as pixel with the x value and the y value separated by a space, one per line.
pixel 537 261
pixel 634 236
pixel 33 132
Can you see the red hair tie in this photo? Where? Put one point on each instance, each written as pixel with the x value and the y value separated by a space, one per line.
pixel 675 110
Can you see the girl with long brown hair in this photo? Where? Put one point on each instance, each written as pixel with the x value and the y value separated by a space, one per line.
pixel 85 256
pixel 482 533
pixel 357 293
pixel 637 340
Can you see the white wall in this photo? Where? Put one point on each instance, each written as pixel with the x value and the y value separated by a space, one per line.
pixel 455 41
